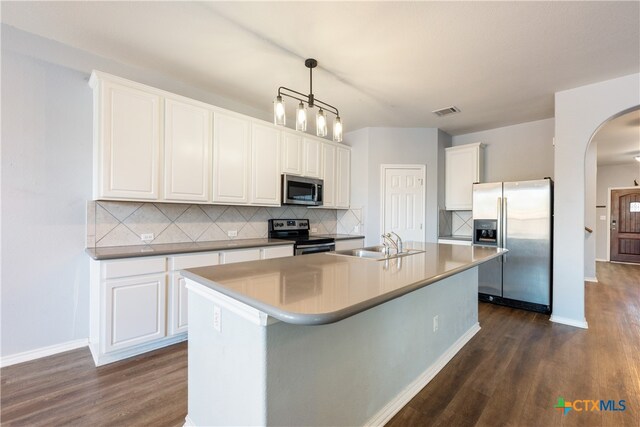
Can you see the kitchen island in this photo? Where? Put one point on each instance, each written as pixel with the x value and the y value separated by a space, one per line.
pixel 325 339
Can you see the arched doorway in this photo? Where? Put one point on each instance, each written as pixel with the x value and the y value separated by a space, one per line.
pixel 579 113
pixel 609 163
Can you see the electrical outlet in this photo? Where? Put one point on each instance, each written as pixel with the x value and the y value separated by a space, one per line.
pixel 314 230
pixel 147 237
pixel 217 318
pixel 356 228
pixel 603 217
pixel 232 233
pixel 435 323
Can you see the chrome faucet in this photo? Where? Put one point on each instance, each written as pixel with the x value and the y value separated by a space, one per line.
pixel 385 238
pixel 399 244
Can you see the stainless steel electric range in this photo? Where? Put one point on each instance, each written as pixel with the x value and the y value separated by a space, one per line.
pixel 297 230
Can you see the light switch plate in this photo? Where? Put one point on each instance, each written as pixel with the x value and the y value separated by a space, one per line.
pixel 232 233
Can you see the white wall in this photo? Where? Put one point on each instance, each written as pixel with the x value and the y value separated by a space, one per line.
pixel 373 147
pixel 610 176
pixel 579 114
pixel 515 153
pixel 46 182
pixel 591 164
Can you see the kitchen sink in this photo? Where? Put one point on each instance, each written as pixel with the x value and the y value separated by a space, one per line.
pixel 375 253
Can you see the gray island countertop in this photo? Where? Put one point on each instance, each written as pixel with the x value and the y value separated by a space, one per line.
pixel 324 288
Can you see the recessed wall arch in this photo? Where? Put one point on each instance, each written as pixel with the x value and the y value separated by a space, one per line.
pixel 579 113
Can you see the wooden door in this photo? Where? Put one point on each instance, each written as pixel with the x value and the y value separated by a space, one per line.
pixel 625 225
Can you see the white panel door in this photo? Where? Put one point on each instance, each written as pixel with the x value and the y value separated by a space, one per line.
pixel 404 203
pixel 265 165
pixel 343 178
pixel 187 151
pixel 312 159
pixel 231 159
pixel 135 311
pixel 291 158
pixel 329 175
pixel 129 144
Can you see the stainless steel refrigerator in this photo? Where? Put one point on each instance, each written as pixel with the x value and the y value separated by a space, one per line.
pixel 517 216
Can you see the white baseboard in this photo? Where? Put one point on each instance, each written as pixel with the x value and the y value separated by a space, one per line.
pixel 602 260
pixel 591 279
pixel 42 352
pixel 397 403
pixel 571 322
pixel 188 422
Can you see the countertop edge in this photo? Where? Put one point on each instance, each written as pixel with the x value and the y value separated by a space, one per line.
pixel 168 252
pixel 340 236
pixel 331 317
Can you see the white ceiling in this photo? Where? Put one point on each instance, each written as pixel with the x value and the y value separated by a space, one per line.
pixel 619 140
pixel 380 63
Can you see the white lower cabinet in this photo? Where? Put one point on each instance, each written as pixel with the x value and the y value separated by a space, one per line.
pixel 134 310
pixel 178 312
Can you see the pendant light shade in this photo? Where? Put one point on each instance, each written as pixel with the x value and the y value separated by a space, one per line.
pixel 301 118
pixel 279 117
pixel 337 129
pixel 321 123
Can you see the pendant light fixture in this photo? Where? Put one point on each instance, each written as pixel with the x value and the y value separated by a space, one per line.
pixel 279 117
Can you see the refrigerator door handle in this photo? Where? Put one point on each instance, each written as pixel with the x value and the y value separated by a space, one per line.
pixel 504 226
pixel 499 225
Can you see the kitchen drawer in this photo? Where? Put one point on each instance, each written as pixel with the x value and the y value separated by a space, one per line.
pixel 240 255
pixel 195 260
pixel 133 267
pixel 277 252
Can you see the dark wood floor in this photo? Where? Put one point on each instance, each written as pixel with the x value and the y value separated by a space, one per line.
pixel 511 373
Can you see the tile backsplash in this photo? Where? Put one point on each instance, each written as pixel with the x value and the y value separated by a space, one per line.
pixel 350 221
pixel 461 223
pixel 122 223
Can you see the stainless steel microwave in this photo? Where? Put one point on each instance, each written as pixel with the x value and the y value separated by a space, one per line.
pixel 298 190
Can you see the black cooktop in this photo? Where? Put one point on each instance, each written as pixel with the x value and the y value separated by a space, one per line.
pixel 296 230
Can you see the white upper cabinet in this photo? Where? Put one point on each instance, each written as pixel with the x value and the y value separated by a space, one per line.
pixel 152 145
pixel 187 151
pixel 329 175
pixel 231 159
pixel 312 158
pixel 127 138
pixel 265 165
pixel 463 167
pixel 343 177
pixel 291 153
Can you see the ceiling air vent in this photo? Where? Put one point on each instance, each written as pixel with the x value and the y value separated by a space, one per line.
pixel 446 111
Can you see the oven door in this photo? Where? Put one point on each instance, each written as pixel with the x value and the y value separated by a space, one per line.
pixel 315 248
